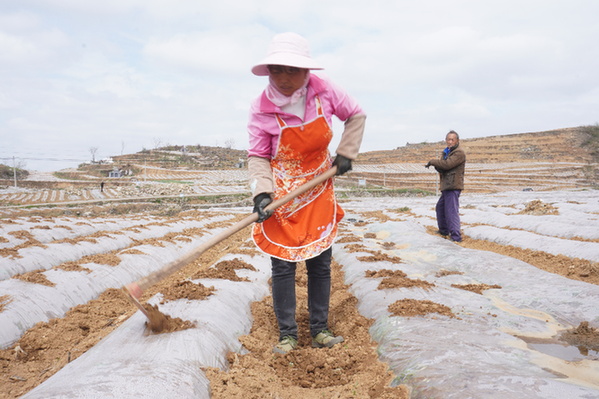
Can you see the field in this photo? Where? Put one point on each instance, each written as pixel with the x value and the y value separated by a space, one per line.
pixel 509 312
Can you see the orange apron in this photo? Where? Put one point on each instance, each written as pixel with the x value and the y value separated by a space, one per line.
pixel 306 226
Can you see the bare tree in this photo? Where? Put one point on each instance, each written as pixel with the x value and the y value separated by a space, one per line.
pixel 122 147
pixel 229 143
pixel 93 151
pixel 157 142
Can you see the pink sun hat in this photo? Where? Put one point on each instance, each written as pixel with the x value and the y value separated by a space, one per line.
pixel 289 49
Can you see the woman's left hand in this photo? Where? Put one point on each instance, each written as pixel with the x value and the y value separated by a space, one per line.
pixel 343 164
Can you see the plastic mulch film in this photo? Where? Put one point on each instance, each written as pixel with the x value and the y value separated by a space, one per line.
pixel 33 303
pixel 482 351
pixel 44 253
pixel 130 364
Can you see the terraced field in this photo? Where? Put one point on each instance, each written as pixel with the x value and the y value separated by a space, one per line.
pixel 411 304
pixel 554 160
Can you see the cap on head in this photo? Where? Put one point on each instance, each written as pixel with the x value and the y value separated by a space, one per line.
pixel 289 49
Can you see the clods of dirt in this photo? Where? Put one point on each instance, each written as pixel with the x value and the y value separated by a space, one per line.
pixel 584 336
pixel 476 288
pixel 160 323
pixel 538 207
pixel 397 279
pixel 357 248
pixel 379 256
pixel 388 245
pixel 132 251
pixel 108 259
pixel 414 307
pixel 225 270
pixel 72 267
pixel 35 277
pixel 186 290
pixel 4 300
pixel 350 369
pixel 347 239
pixel 443 273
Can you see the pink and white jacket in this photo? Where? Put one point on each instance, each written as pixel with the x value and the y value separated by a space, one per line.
pixel 264 130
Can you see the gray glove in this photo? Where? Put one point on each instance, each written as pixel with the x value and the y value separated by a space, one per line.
pixel 343 164
pixel 261 201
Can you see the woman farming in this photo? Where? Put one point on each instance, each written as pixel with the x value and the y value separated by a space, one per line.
pixel 290 128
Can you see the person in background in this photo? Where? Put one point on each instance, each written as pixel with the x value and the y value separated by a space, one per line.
pixel 451 168
pixel 290 128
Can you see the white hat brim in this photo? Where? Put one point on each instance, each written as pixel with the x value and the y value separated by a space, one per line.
pixel 287 59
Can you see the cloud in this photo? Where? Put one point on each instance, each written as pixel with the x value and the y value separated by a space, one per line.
pixel 219 53
pixel 78 73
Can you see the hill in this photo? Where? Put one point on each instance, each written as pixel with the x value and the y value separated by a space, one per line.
pixel 551 160
pixel 577 145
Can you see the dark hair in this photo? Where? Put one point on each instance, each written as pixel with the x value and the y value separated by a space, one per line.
pixel 453 132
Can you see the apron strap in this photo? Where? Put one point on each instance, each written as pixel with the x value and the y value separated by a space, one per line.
pixel 318 106
pixel 280 121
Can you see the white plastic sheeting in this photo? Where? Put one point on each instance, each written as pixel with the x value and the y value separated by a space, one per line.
pixel 524 239
pixel 54 253
pixel 479 354
pixel 46 230
pixel 33 303
pixel 130 364
pixel 495 213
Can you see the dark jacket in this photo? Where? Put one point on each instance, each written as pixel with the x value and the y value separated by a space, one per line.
pixel 451 169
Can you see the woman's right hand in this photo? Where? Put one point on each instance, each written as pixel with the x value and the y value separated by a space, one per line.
pixel 261 201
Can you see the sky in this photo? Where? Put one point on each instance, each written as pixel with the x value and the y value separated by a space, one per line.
pixel 83 80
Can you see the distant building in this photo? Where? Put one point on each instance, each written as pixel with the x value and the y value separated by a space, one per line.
pixel 241 163
pixel 115 173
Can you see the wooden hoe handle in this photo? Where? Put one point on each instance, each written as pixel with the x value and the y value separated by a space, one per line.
pixel 136 289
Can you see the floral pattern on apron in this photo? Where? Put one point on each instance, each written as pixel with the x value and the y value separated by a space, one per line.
pixel 307 225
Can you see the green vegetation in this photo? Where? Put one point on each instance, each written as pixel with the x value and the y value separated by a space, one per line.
pixel 175 182
pixel 381 192
pixel 71 176
pixel 8 173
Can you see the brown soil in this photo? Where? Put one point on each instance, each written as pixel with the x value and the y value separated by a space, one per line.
pixel 348 239
pixel 4 300
pixel 538 207
pixel 414 307
pixel 583 336
pixel 379 256
pixel 186 289
pixel 348 370
pixel 35 277
pixel 225 269
pixel 47 347
pixel 159 323
pixel 477 288
pixel 574 268
pixel 397 279
pixel 443 273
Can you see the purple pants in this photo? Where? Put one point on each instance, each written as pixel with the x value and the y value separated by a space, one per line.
pixel 448 214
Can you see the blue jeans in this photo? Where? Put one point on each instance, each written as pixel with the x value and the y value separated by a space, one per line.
pixel 448 214
pixel 319 293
